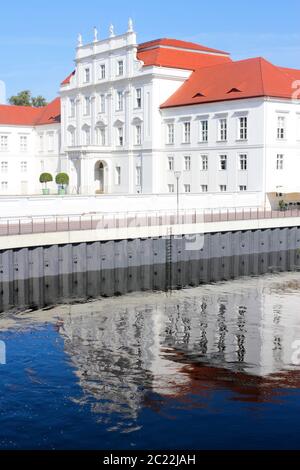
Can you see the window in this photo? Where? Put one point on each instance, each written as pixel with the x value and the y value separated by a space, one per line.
pixel 223 188
pixel 204 162
pixel 138 176
pixel 170 134
pixel 171 163
pixel 222 130
pixel 23 167
pixel 72 137
pixel 243 162
pixel 50 141
pixel 186 132
pixel 118 176
pixel 120 136
pixel 41 142
pixel 138 134
pixel 3 143
pixel 4 185
pixel 101 136
pixel 4 167
pixel 243 128
pixel 204 188
pixel 120 68
pixel 102 72
pixel 119 101
pixel 138 97
pixel 87 75
pixel 204 131
pixel 281 128
pixel 87 135
pixel 223 162
pixel 87 106
pixel 243 188
pixel 187 163
pixel 102 103
pixel 187 188
pixel 72 108
pixel 171 188
pixel 279 162
pixel 23 143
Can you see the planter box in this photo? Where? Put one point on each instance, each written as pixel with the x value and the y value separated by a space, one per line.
pixel 46 192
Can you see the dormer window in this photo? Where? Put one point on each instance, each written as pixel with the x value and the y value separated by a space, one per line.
pixel 234 90
pixel 198 95
pixel 120 68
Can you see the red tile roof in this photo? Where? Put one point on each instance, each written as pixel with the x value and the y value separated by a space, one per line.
pixel 28 116
pixel 50 114
pixel 179 54
pixel 234 80
pixel 171 43
pixel 18 115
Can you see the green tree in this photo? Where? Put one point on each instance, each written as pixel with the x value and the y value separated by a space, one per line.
pixel 62 179
pixel 39 102
pixel 21 99
pixel 46 178
pixel 25 98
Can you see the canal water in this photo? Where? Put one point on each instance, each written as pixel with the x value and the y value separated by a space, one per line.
pixel 214 367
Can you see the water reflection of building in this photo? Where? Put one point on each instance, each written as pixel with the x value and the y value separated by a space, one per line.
pixel 229 336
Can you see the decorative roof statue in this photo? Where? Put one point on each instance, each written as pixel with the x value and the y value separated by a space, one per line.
pixel 130 25
pixel 79 44
pixel 111 31
pixel 95 34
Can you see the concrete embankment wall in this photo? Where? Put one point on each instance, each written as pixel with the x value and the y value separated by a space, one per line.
pixel 43 276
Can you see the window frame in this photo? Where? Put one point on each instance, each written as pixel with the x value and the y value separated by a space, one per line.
pixel 223 158
pixel 203 134
pixel 186 132
pixel 204 162
pixel 223 130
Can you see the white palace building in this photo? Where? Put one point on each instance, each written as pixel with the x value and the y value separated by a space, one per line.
pixel 135 118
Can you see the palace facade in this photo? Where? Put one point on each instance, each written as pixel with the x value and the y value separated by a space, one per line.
pixel 138 118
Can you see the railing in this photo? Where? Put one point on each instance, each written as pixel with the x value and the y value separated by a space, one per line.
pixel 64 223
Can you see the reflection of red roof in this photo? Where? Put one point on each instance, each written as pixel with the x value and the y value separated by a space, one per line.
pixel 203 379
pixel 235 80
pixel 179 54
pixel 28 116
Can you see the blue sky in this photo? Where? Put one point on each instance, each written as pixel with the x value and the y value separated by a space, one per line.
pixel 37 40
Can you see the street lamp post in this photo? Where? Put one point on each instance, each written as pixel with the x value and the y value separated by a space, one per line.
pixel 177 176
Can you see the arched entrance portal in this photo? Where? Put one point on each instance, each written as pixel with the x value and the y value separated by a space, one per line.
pixel 100 177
